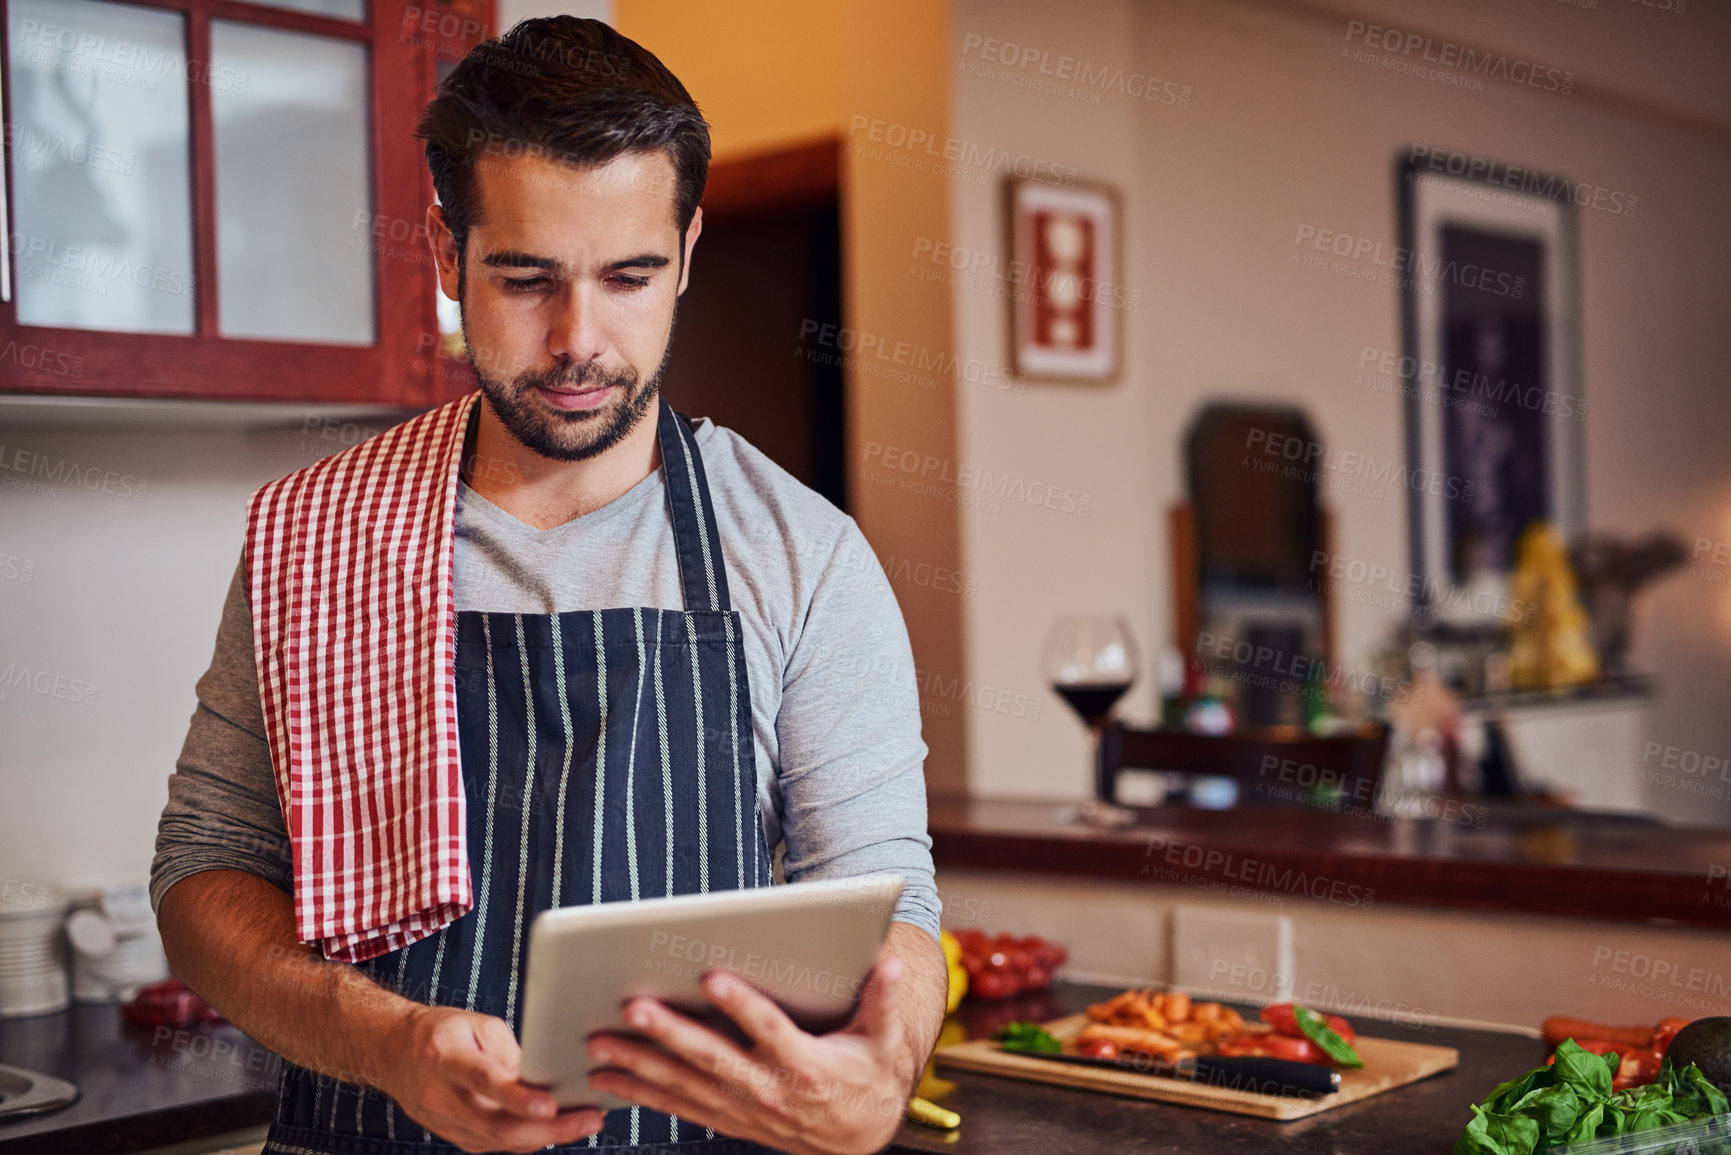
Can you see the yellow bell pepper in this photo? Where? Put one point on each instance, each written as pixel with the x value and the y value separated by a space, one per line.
pixel 953 960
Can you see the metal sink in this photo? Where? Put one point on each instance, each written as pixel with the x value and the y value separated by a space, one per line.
pixel 28 1093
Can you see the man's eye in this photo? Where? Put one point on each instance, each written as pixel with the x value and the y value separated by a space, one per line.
pixel 524 284
pixel 625 281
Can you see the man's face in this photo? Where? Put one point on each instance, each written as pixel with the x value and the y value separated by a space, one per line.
pixel 571 278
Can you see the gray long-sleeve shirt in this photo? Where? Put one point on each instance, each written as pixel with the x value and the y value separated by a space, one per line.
pixel 834 702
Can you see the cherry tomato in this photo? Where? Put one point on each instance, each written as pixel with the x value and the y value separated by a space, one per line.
pixel 1281 1017
pixel 1051 955
pixel 1100 1049
pixel 1020 962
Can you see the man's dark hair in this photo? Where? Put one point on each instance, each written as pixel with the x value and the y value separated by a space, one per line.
pixel 571 90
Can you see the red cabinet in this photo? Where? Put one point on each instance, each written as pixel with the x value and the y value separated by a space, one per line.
pixel 224 199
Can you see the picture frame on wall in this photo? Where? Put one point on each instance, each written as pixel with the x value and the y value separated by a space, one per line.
pixel 1491 373
pixel 1067 300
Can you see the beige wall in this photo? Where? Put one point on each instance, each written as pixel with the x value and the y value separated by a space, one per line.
pixel 1401 962
pixel 120 609
pixel 1280 132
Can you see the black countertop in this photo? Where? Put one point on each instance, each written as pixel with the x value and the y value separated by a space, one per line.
pixel 139 1087
pixel 1014 1117
pixel 144 1087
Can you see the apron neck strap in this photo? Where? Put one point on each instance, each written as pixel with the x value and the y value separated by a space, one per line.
pixel 702 575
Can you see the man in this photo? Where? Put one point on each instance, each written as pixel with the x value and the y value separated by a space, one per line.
pixel 428 717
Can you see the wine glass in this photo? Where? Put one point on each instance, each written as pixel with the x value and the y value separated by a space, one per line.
pixel 1090 662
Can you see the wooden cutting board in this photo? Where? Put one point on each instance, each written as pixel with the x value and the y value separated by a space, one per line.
pixel 1388 1063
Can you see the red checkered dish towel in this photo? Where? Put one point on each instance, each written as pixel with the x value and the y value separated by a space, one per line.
pixel 349 572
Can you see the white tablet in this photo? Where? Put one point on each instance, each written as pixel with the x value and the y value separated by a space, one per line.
pixel 808 945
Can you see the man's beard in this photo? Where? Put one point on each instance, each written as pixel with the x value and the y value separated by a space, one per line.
pixel 570 435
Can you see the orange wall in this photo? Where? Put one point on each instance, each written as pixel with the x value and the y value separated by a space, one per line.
pixel 770 73
pixel 763 71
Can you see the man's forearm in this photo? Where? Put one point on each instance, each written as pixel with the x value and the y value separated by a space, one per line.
pixel 925 987
pixel 230 936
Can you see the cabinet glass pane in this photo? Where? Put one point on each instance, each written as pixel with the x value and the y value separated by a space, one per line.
pixel 292 187
pixel 102 193
pixel 344 9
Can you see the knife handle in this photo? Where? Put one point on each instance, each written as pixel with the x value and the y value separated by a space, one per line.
pixel 1266 1076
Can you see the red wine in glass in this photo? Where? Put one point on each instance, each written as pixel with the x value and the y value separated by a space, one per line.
pixel 1091 662
pixel 1092 700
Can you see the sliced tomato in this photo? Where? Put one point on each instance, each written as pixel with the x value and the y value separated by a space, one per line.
pixel 1099 1049
pixel 1280 1016
pixel 1274 1047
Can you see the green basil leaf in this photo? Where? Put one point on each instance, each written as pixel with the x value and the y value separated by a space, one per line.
pixel 1586 1125
pixel 1646 1118
pixel 1650 1096
pixel 1476 1139
pixel 1584 1071
pixel 1491 1133
pixel 1509 1093
pixel 1324 1036
pixel 1569 1101
pixel 1518 1134
pixel 1553 1108
pixel 1694 1095
pixel 1027 1037
pixel 1668 1077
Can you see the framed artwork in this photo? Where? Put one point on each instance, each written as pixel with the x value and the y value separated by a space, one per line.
pixel 1067 302
pixel 1491 375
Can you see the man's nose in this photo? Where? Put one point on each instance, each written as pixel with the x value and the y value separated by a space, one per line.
pixel 577 334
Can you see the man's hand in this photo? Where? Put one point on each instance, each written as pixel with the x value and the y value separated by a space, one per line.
pixel 230 935
pixel 836 1094
pixel 458 1078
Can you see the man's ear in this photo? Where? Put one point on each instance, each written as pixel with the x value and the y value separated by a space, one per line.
pixel 445 255
pixel 691 234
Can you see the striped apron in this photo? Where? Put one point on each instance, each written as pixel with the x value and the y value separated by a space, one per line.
pixel 607 756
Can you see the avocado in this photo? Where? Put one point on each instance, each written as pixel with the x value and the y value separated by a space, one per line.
pixel 1707 1044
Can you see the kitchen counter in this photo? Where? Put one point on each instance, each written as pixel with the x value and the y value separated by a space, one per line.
pixel 1488 857
pixel 139 1087
pixel 144 1087
pixel 1014 1117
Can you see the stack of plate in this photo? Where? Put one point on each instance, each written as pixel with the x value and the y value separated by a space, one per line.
pixel 32 960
